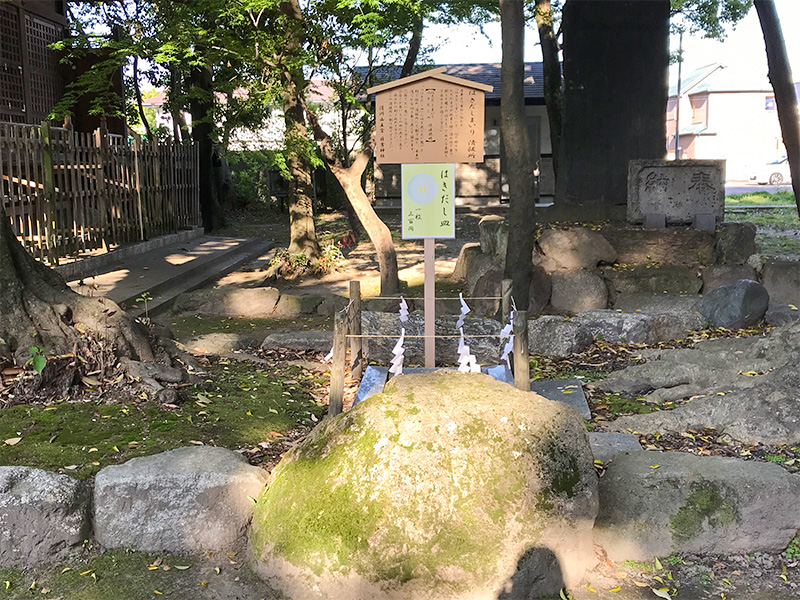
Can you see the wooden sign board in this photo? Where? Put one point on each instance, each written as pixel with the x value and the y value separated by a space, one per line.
pixel 429 118
pixel 428 201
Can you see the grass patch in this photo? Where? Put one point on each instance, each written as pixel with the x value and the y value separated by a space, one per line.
pixel 122 574
pixel 239 406
pixel 617 405
pixel 759 198
pixel 186 327
pixel 544 367
pixel 776 219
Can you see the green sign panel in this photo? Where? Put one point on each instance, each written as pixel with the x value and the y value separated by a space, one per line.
pixel 428 201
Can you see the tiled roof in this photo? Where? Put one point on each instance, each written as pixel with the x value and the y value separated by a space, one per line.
pixel 488 73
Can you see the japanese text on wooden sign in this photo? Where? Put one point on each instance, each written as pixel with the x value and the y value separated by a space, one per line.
pixel 429 121
pixel 428 200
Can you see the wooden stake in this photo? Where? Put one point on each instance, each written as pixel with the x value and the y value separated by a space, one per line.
pixel 336 395
pixel 430 303
pixel 505 293
pixel 522 377
pixel 356 347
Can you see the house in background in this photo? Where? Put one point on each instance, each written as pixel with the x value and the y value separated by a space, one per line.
pixel 484 183
pixel 725 116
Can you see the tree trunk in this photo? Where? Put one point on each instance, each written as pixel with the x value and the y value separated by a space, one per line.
pixel 202 131
pixel 413 47
pixel 303 236
pixel 37 308
pixel 519 164
pixel 174 106
pixel 780 75
pixel 138 92
pixel 551 77
pixel 616 54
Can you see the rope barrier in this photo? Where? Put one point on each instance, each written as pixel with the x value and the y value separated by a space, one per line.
pixel 435 298
pixel 407 336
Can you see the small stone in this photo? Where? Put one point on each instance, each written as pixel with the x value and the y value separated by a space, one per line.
pixel 735 305
pixel 556 336
pixel 576 291
pixel 736 242
pixel 576 248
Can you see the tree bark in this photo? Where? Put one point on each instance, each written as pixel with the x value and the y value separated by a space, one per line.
pixel 551 77
pixel 138 92
pixel 413 47
pixel 780 75
pixel 37 308
pixel 202 134
pixel 521 182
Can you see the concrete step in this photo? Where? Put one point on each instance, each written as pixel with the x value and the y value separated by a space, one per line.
pixel 166 272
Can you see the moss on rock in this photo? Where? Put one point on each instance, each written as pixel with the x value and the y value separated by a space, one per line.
pixel 429 489
pixel 705 506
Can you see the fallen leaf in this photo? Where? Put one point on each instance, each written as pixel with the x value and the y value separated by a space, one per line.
pixel 13 441
pixel 640 584
pixel 654 466
pixel 615 589
pixel 182 567
pixel 662 593
pixel 196 443
pixel 90 381
pixel 658 565
pixel 204 583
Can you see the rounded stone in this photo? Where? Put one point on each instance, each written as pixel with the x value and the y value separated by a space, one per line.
pixel 576 291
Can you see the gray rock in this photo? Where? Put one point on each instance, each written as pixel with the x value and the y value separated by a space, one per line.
pixel 568 391
pixel 331 304
pixel 540 291
pixel 781 278
pixel 735 305
pixel 719 275
pixel 43 516
pixel 488 286
pixel 656 304
pixel 637 327
pixel 465 256
pixel 228 301
pixel 478 267
pixel 576 248
pixel 694 504
pixel 736 242
pixel 427 486
pixel 556 336
pixel 221 343
pixel 545 262
pixel 184 501
pixel 494 237
pixel 384 305
pixel 606 445
pixel 319 341
pixel 291 305
pixel 576 291
pixel 670 246
pixel 667 279
pixel 485 349
pixel 781 314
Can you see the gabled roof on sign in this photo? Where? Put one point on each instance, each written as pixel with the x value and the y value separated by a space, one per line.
pixel 484 73
pixel 437 73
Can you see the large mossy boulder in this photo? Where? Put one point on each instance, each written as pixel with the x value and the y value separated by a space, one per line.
pixel 447 485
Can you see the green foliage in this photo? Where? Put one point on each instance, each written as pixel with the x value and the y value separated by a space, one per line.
pixel 145 297
pixel 792 551
pixel 759 198
pixel 37 359
pixel 710 17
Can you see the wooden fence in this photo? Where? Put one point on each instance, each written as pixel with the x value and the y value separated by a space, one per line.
pixel 66 193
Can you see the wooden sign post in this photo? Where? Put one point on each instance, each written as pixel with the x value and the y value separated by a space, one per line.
pixel 427 122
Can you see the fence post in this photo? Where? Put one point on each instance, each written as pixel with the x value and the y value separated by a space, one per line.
pixel 505 293
pixel 522 377
pixel 49 186
pixel 356 345
pixel 336 394
pixel 138 183
pixel 101 143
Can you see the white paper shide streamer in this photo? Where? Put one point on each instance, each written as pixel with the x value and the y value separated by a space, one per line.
pixel 505 332
pixel 403 310
pixel 467 363
pixel 398 355
pixel 464 310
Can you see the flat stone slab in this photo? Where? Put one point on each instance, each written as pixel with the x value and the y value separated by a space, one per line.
pixel 606 445
pixel 568 391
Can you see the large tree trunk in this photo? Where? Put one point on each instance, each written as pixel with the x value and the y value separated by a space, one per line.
pixel 138 93
pixel 303 236
pixel 202 134
pixel 780 75
pixel 616 54
pixel 37 308
pixel 521 182
pixel 551 77
pixel 413 47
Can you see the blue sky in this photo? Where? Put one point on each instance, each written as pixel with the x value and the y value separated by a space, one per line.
pixel 742 51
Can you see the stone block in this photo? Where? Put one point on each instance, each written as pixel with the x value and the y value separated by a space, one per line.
pixel 576 248
pixel 184 501
pixel 468 252
pixel 43 516
pixel 654 279
pixel 539 292
pixel 735 305
pixel 556 336
pixel 679 189
pixel 494 236
pixel 736 243
pixel 655 221
pixel 331 304
pixel 291 305
pixel 576 291
pixel 318 341
pixel 605 445
pixel 568 391
pixel 705 222
pixel 782 280
pixel 670 246
pixel 249 303
pixel 781 314
pixel 717 275
pixel 478 267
